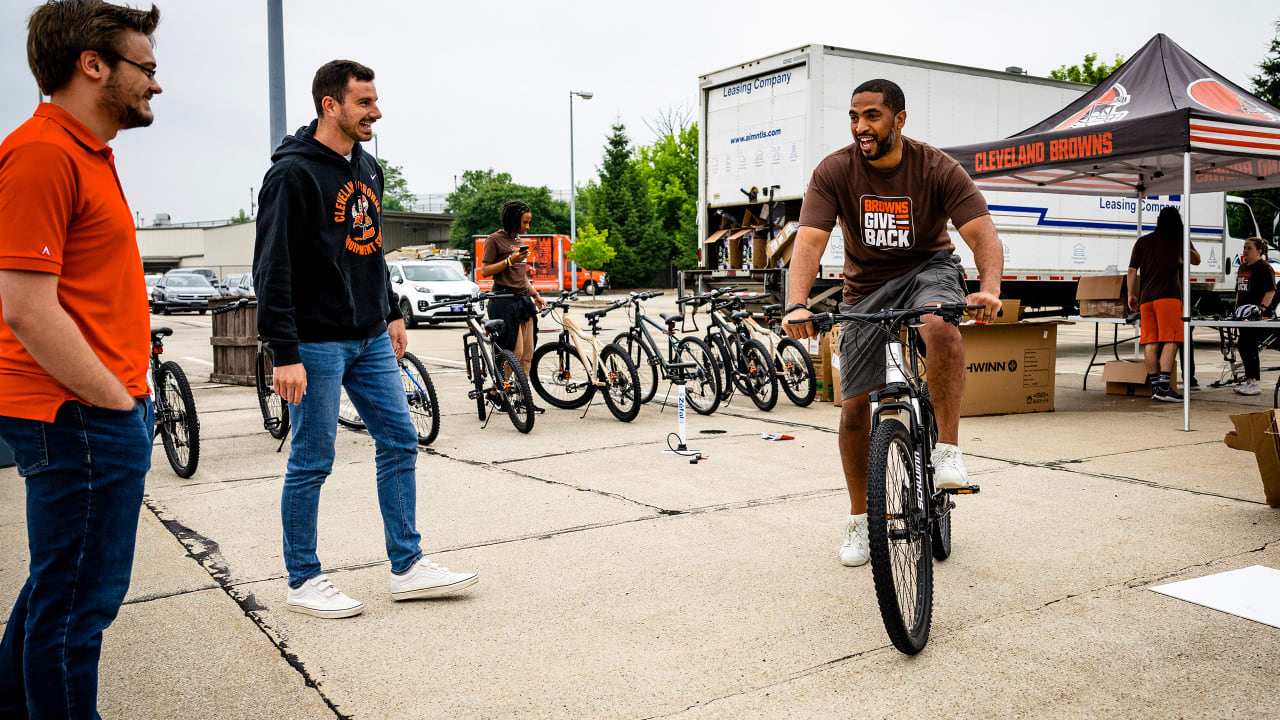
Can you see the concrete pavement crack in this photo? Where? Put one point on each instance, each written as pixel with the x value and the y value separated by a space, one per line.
pixel 207 554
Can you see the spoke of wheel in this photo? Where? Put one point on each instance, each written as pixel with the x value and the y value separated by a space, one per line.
pixel 905 552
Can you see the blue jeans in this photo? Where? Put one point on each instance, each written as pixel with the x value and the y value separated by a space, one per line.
pixel 369 372
pixel 84 474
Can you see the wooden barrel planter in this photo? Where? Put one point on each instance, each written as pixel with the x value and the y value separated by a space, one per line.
pixel 235 343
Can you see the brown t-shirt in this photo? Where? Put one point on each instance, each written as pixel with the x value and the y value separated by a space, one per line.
pixel 496 249
pixel 1158 261
pixel 892 220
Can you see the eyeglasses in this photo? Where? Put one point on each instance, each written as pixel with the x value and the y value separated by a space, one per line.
pixel 150 72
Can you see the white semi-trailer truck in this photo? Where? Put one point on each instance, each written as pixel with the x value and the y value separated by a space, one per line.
pixel 767 123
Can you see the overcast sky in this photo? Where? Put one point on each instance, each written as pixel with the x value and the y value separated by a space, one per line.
pixel 480 84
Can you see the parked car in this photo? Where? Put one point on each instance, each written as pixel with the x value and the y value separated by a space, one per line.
pixel 182 291
pixel 243 286
pixel 208 274
pixel 151 283
pixel 229 283
pixel 420 283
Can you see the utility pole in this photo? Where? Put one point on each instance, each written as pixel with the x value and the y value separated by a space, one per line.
pixel 253 209
pixel 275 71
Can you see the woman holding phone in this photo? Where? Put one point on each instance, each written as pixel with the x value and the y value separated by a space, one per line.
pixel 505 260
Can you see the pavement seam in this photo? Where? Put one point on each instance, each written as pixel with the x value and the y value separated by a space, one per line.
pixel 208 556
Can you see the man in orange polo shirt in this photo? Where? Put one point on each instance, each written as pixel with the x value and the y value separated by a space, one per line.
pixel 74 344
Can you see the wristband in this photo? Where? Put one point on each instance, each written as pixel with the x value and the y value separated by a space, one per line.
pixel 508 261
pixel 793 307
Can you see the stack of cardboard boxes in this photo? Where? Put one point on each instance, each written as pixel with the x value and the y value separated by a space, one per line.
pixel 750 246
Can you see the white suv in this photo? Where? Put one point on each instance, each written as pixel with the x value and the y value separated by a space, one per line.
pixel 418 284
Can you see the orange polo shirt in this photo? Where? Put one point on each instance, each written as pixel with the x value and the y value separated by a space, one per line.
pixel 62 211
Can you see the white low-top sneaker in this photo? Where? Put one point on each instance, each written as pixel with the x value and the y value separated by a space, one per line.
pixel 1248 387
pixel 948 468
pixel 856 549
pixel 320 598
pixel 427 579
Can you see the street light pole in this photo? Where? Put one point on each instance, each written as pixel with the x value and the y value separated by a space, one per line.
pixel 573 191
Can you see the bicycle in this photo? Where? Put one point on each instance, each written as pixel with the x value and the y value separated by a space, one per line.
pixel 687 360
pixel 497 377
pixel 420 393
pixel 275 411
pixel 175 408
pixel 791 360
pixel 741 361
pixel 909 521
pixel 568 378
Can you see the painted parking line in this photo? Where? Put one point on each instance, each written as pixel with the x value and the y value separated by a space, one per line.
pixel 202 361
pixel 459 363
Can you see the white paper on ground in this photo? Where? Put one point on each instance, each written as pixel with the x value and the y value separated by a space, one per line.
pixel 1252 593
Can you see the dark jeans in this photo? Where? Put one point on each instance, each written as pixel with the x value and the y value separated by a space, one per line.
pixel 84 474
pixel 1248 344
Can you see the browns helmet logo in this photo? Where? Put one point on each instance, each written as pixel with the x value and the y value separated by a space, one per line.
pixel 1107 108
pixel 1219 98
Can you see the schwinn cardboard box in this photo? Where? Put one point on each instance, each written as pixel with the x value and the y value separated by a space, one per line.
pixel 1009 367
pixel 1129 377
pixel 1102 296
pixel 1259 433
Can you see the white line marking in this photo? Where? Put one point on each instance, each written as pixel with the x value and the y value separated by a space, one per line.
pixel 202 361
pixel 459 363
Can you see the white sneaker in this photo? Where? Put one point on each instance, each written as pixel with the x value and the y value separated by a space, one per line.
pixel 856 549
pixel 427 579
pixel 948 467
pixel 320 598
pixel 1248 387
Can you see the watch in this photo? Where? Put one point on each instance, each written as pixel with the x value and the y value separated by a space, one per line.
pixel 793 307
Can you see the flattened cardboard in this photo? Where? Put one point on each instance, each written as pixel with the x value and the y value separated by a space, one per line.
pixel 1129 377
pixel 716 236
pixel 1009 367
pixel 1259 433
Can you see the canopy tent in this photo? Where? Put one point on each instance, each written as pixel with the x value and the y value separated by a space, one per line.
pixel 1164 123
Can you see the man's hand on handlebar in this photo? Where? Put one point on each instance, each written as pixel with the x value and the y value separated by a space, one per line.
pixel 991 302
pixel 797 326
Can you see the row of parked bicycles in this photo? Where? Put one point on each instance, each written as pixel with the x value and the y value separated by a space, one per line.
pixel 735 354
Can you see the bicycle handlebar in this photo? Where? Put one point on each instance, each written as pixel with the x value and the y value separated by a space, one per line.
pixel 234 305
pixel 950 312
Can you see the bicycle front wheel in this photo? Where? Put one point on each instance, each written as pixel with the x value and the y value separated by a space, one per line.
pixel 560 376
pixel 897 520
pixel 621 383
pixel 795 372
pixel 179 426
pixel 758 377
pixel 421 394
pixel 646 364
pixel 275 411
pixel 702 387
pixel 723 362
pixel 513 384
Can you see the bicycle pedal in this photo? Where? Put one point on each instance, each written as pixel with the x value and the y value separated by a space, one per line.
pixel 970 490
pixel 471 394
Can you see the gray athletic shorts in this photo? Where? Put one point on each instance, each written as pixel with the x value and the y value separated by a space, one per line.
pixel 862 366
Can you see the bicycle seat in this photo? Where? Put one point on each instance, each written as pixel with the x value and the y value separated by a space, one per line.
pixel 595 314
pixel 777 307
pixel 740 315
pixel 494 326
pixel 160 332
pixel 672 319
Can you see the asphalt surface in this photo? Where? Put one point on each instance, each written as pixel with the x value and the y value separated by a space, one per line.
pixel 618 581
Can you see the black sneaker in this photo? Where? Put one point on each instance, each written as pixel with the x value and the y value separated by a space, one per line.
pixel 1164 394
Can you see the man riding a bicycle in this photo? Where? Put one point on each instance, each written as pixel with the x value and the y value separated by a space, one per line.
pixel 893 197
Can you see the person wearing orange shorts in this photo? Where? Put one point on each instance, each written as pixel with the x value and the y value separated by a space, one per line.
pixel 1155 291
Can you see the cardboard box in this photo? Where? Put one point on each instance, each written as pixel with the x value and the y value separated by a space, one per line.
pixel 781 244
pixel 759 249
pixel 1010 311
pixel 1009 367
pixel 736 240
pixel 820 353
pixel 1129 377
pixel 834 342
pixel 1102 296
pixel 1259 433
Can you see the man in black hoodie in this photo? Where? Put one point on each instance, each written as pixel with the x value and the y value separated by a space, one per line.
pixel 330 319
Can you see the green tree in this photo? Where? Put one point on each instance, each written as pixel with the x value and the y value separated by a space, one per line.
pixel 620 204
pixel 670 169
pixel 481 193
pixel 241 218
pixel 592 250
pixel 1087 72
pixel 395 189
pixel 1266 85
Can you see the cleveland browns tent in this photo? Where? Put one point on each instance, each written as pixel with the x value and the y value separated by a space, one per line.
pixel 1164 123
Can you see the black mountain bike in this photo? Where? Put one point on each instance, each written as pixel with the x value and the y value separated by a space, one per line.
pixel 909 521
pixel 567 373
pixel 687 360
pixel 418 391
pixel 741 361
pixel 176 420
pixel 275 411
pixel 498 378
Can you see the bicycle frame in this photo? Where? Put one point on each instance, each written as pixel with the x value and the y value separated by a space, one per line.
pixel 571 334
pixel 671 370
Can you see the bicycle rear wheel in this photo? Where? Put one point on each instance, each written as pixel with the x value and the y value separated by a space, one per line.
pixel 758 380
pixel 180 427
pixel 795 372
pixel 646 364
pixel 275 411
pixel 901 562
pixel 561 376
pixel 723 363
pixel 513 385
pixel 702 387
pixel 348 416
pixel 621 383
pixel 421 394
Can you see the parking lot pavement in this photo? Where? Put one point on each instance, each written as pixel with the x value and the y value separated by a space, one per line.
pixel 618 581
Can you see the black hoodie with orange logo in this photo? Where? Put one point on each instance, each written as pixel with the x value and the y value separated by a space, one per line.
pixel 318 268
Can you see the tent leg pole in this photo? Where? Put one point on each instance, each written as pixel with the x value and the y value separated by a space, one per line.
pixel 1137 343
pixel 1186 291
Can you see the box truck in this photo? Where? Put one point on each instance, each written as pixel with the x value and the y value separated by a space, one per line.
pixel 548 266
pixel 767 123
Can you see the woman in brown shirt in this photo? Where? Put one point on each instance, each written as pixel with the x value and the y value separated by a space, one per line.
pixel 504 259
